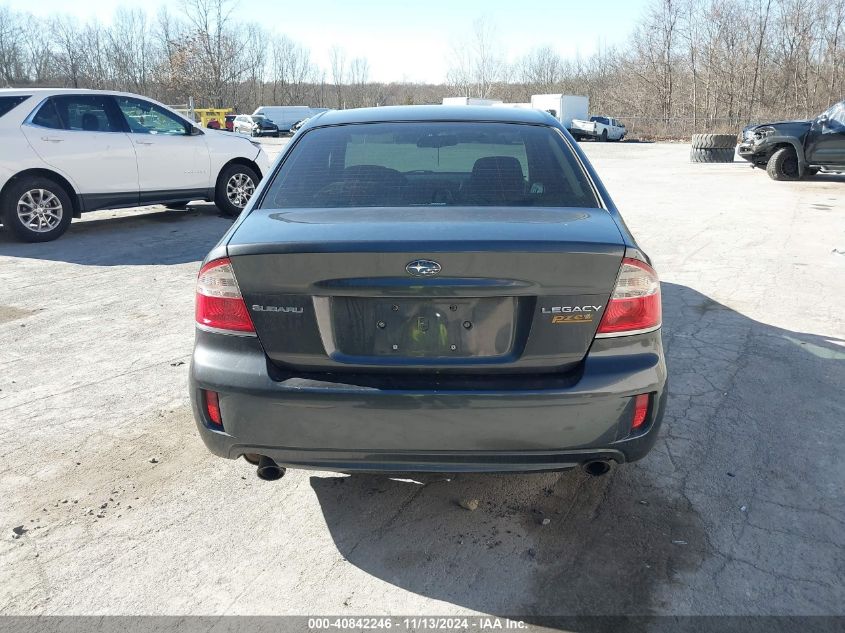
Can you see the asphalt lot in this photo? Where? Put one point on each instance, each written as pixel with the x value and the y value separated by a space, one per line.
pixel 738 510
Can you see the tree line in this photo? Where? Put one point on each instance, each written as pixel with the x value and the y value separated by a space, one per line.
pixel 688 65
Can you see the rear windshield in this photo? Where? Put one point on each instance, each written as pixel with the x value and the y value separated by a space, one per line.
pixel 430 164
pixel 7 103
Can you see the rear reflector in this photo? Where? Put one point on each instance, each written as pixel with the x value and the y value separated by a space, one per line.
pixel 634 306
pixel 640 410
pixel 220 305
pixel 212 407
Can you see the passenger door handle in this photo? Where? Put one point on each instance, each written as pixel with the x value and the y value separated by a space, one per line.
pixel 144 142
pixel 51 139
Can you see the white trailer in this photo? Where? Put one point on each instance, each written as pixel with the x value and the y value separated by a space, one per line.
pixel 562 107
pixel 471 101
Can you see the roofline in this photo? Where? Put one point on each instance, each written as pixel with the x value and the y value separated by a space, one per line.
pixel 431 114
pixel 58 90
pixel 44 93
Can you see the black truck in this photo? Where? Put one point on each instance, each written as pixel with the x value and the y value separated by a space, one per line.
pixel 790 150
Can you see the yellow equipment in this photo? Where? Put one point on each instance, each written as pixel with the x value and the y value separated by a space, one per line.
pixel 204 115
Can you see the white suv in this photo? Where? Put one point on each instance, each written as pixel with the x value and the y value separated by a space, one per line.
pixel 63 152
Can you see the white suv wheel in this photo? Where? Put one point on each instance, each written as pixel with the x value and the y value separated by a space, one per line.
pixel 40 210
pixel 239 189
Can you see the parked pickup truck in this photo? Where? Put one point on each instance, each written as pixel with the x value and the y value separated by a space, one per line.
pixel 601 128
pixel 789 150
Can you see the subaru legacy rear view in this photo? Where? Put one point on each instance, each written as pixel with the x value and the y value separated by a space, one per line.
pixel 429 289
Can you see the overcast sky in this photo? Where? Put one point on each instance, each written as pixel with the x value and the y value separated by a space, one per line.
pixel 408 40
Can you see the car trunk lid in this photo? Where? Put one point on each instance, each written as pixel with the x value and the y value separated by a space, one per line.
pixel 517 290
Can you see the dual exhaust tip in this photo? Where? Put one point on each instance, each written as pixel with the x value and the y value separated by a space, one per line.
pixel 596 467
pixel 266 468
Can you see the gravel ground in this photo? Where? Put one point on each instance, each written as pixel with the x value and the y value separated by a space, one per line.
pixel 112 505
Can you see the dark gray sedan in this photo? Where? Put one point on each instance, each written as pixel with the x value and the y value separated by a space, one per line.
pixel 429 289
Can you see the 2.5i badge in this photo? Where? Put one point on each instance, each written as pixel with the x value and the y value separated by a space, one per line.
pixel 572 318
pixel 571 314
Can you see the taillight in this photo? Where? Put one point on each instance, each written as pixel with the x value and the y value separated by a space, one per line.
pixel 219 302
pixel 635 304
pixel 640 410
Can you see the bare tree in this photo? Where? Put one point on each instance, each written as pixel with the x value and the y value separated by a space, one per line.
pixel 359 72
pixel 253 56
pixel 291 71
pixel 10 53
pixel 542 69
pixel 98 71
pixel 762 25
pixel 834 33
pixel 69 55
pixel 130 49
pixel 337 61
pixel 38 49
pixel 214 47
pixel 691 34
pixel 657 43
pixel 477 65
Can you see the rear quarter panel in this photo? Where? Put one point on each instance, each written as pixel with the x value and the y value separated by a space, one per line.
pixel 17 155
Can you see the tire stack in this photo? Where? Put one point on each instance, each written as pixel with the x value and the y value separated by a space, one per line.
pixel 712 148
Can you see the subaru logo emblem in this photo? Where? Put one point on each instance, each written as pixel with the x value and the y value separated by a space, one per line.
pixel 422 268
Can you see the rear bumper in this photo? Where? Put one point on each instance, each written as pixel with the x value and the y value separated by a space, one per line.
pixel 339 424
